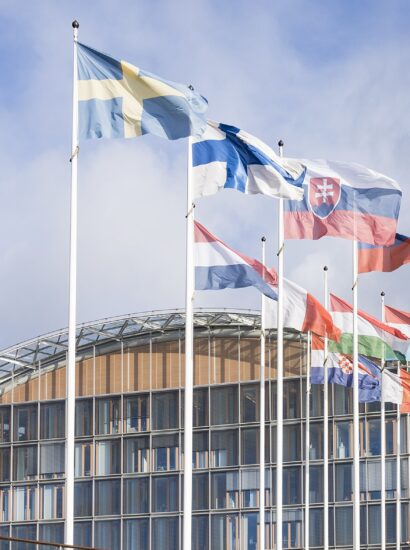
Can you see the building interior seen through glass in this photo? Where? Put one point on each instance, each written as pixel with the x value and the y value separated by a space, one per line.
pixel 130 442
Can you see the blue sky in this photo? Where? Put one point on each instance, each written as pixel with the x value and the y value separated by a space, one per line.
pixel 330 78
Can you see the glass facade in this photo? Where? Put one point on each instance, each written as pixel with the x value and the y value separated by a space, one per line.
pixel 129 447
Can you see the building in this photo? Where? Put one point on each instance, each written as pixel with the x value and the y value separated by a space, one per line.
pixel 129 439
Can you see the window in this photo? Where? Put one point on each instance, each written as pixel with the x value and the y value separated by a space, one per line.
pixel 83 459
pixel 200 450
pixel 108 416
pixel 165 533
pixel 5 464
pixel 292 528
pixel 250 488
pixel 200 535
pixel 165 494
pixel 374 521
pixel 107 534
pixel 200 407
pixel 52 499
pixel 165 411
pixel 250 445
pixel 291 443
pixel 200 499
pixel 52 460
pixel 4 424
pixel 291 399
pixel 25 532
pixel 4 503
pixel 225 531
pixel 373 437
pixel 165 452
pixel 24 502
pixel 316 527
pixel 52 420
pixel 343 439
pixel 316 484
pixel 136 495
pixel 343 482
pixel 343 526
pixel 136 533
pixel 137 414
pixel 249 531
pixel 136 454
pixel 82 533
pixel 292 486
pixel 250 403
pixel 25 462
pixel 343 400
pixel 25 423
pixel 83 417
pixel 316 399
pixel 316 441
pixel 107 460
pixel 107 497
pixel 224 448
pixel 53 532
pixel 224 405
pixel 83 499
pixel 224 490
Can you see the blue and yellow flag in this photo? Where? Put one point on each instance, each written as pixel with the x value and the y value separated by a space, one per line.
pixel 118 100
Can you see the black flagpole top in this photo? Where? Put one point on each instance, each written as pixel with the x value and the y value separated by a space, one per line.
pixel 325 268
pixel 382 293
pixel 280 143
pixel 75 24
pixel 263 239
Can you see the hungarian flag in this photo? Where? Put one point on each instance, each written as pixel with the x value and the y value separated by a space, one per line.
pixel 376 339
pixel 340 371
pixel 384 258
pixel 302 312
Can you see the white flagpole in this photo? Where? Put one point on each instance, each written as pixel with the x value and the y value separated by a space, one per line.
pixel 70 369
pixel 383 453
pixel 326 429
pixel 279 379
pixel 189 346
pixel 356 437
pixel 398 475
pixel 262 418
pixel 307 441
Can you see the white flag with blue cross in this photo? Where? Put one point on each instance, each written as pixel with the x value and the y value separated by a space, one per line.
pixel 225 157
pixel 118 100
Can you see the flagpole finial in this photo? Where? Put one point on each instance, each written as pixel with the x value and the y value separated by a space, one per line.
pixel 75 24
pixel 325 268
pixel 280 143
pixel 382 293
pixel 263 239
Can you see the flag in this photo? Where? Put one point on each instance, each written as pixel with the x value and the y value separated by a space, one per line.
pixel 226 157
pixel 118 100
pixel 217 266
pixel 399 320
pixel 396 388
pixel 302 312
pixel 376 339
pixel 384 258
pixel 344 200
pixel 340 371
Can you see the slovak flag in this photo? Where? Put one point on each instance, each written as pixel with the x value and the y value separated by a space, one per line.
pixel 217 266
pixel 344 200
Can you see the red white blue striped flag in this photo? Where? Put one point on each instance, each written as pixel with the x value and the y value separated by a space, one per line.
pixel 384 258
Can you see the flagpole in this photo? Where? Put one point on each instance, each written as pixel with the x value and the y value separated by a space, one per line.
pixel 189 345
pixel 70 369
pixel 307 441
pixel 326 428
pixel 398 473
pixel 356 436
pixel 262 417
pixel 383 451
pixel 279 379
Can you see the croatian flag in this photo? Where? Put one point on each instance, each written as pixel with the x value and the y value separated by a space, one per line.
pixel 226 157
pixel 217 266
pixel 384 258
pixel 344 200
pixel 340 371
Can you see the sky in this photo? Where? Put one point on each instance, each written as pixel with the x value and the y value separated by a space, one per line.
pixel 329 78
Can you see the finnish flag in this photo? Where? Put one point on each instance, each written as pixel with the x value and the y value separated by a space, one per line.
pixel 226 157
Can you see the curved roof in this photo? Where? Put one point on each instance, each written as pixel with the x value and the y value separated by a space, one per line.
pixel 43 350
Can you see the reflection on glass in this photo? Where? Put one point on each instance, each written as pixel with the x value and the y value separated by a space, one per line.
pixel 52 420
pixel 224 405
pixel 25 422
pixel 224 447
pixel 107 497
pixel 108 415
pixel 136 534
pixel 137 413
pixel 136 454
pixel 165 533
pixel 165 494
pixel 107 459
pixel 165 452
pixel 165 410
pixel 136 495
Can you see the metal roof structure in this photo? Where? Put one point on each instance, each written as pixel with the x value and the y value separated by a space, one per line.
pixel 27 356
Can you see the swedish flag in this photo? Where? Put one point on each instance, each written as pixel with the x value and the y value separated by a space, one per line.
pixel 116 99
